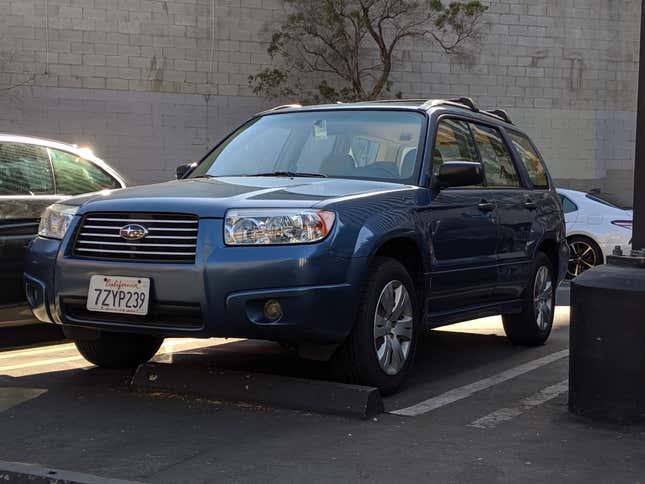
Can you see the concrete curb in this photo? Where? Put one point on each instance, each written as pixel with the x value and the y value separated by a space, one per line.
pixel 34 474
pixel 259 388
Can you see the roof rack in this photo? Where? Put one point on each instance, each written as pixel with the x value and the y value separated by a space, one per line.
pixel 500 113
pixel 468 103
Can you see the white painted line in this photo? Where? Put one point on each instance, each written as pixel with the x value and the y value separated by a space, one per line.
pixel 170 346
pixel 502 415
pixel 32 364
pixel 36 351
pixel 466 391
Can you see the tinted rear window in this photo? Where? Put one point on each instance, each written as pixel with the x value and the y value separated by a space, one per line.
pixel 531 160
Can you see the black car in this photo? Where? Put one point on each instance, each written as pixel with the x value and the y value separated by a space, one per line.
pixel 343 230
pixel 34 173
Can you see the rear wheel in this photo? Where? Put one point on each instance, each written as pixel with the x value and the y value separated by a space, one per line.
pixel 584 254
pixel 380 349
pixel 118 350
pixel 532 326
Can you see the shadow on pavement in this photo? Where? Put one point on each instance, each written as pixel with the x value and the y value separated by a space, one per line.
pixel 29 334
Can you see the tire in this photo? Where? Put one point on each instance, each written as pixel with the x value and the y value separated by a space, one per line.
pixel 118 350
pixel 584 254
pixel 525 328
pixel 357 361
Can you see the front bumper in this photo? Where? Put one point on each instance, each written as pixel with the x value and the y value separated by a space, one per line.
pixel 219 295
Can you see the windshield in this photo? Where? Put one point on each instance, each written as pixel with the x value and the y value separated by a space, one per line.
pixel 376 145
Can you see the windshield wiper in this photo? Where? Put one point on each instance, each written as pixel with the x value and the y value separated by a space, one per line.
pixel 291 174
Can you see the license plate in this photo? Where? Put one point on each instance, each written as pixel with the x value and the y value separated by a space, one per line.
pixel 118 294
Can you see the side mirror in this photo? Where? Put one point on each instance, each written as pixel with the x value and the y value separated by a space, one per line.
pixel 181 170
pixel 459 174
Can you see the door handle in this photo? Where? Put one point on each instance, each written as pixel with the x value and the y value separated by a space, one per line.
pixel 485 206
pixel 530 205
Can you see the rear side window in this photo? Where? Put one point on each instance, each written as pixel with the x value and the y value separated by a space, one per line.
pixel 453 143
pixel 530 160
pixel 75 175
pixel 24 170
pixel 498 163
pixel 567 205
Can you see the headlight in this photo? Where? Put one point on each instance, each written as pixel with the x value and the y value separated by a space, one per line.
pixel 276 226
pixel 55 220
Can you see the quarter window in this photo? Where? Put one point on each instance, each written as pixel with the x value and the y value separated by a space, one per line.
pixel 498 164
pixel 24 170
pixel 567 205
pixel 453 143
pixel 75 175
pixel 530 160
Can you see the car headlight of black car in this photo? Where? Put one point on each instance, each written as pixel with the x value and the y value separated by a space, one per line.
pixel 55 220
pixel 276 226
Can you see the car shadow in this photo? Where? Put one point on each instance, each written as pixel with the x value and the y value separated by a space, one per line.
pixel 445 359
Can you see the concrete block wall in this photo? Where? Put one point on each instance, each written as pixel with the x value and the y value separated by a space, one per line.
pixel 149 83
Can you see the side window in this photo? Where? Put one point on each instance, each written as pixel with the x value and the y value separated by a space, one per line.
pixel 24 170
pixel 498 163
pixel 75 175
pixel 530 160
pixel 453 143
pixel 567 205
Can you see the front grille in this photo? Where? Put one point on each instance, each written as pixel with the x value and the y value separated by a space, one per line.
pixel 170 237
pixel 162 315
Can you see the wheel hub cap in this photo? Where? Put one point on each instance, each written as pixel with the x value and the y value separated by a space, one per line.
pixel 393 321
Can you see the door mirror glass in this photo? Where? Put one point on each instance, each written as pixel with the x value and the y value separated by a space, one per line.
pixel 182 170
pixel 459 174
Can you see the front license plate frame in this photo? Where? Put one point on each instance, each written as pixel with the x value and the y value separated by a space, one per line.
pixel 119 294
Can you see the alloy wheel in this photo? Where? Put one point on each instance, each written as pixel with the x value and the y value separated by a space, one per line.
pixel 393 323
pixel 543 297
pixel 582 256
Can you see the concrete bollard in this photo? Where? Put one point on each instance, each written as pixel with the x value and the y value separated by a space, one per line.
pixel 607 341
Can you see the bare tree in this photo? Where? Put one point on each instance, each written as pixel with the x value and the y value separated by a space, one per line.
pixel 351 44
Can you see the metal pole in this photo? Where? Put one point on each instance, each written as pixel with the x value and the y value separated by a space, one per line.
pixel 638 240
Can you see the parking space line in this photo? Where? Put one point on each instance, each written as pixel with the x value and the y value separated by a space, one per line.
pixel 170 347
pixel 36 351
pixel 502 415
pixel 31 364
pixel 466 391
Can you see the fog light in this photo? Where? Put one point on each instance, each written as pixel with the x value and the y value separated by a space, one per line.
pixel 272 310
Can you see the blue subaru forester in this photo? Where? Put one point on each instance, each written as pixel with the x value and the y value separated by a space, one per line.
pixel 343 230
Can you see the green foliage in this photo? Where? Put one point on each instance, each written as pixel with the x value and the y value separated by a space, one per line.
pixel 350 45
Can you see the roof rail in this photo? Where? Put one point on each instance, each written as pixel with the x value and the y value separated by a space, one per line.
pixel 460 102
pixel 468 103
pixel 500 113
pixel 285 106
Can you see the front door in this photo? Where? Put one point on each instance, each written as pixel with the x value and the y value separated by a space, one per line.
pixel 464 230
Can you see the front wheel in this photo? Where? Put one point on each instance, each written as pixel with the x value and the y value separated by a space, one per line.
pixel 380 349
pixel 118 350
pixel 532 326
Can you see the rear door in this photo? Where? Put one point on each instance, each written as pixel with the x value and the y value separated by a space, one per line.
pixel 463 225
pixel 515 210
pixel 26 188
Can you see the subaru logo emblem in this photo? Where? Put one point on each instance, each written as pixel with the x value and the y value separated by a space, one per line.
pixel 133 232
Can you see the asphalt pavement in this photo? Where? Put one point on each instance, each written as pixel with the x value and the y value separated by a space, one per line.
pixel 475 409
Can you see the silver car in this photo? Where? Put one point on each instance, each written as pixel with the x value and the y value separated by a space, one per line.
pixel 35 173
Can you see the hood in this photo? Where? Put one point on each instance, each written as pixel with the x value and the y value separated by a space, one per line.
pixel 211 197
